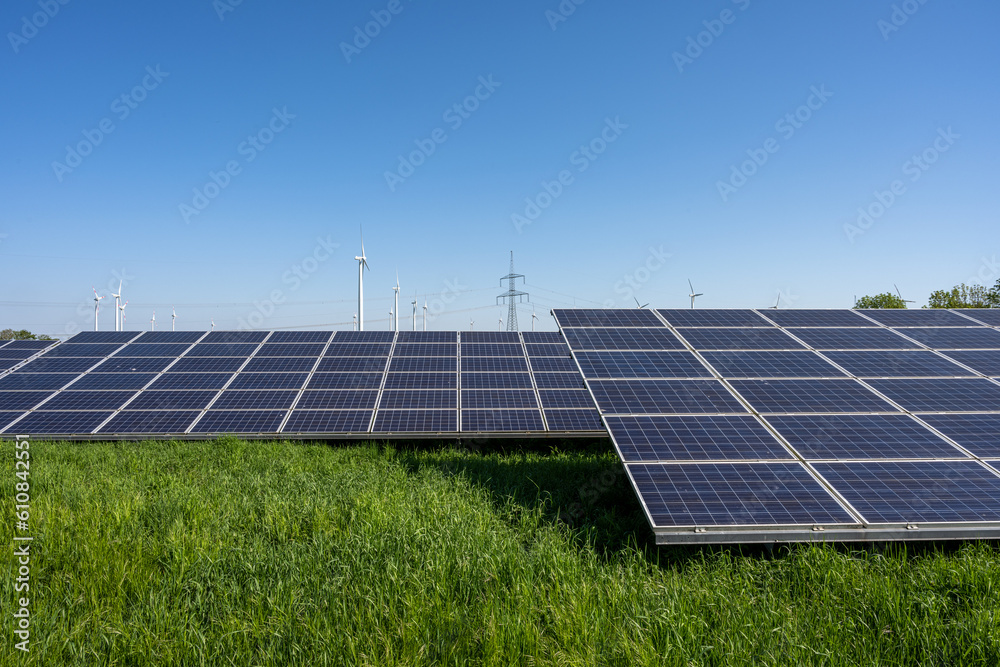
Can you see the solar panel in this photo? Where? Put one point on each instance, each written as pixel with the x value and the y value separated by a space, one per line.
pixel 896 363
pixel 553 364
pixel 6 364
pixel 426 350
pixel 279 364
pixel 208 365
pixel 574 420
pixel 421 381
pixel 980 434
pixel 427 337
pixel 416 421
pixel 494 337
pixel 498 399
pixel 497 421
pixel 771 364
pixel 923 317
pixel 663 397
pixel 714 318
pixel 269 381
pixel 171 336
pixel 776 396
pixel 290 350
pixel 739 339
pixel 255 400
pixel 358 349
pixel 345 381
pixel 191 381
pixel 861 437
pixel 917 492
pixel 410 399
pixel 496 364
pixel 29 344
pixel 622 339
pixel 240 421
pixel 6 417
pixel 119 364
pixel 942 395
pixel 564 398
pixel 603 317
pixel 22 400
pixel 492 349
pixel 816 318
pixel 424 364
pixel 117 337
pixel 364 337
pixel 359 364
pixel 735 494
pixel 300 337
pixel 639 364
pixel 82 350
pixel 235 337
pixel 218 350
pixel 150 421
pixel 990 316
pixel 853 339
pixel 155 350
pixel 558 381
pixel 703 438
pixel 496 381
pixel 58 423
pixel 986 362
pixel 328 421
pixel 88 400
pixel 973 338
pixel 36 381
pixel 547 350
pixel 338 400
pixel 172 400
pixel 543 337
pixel 60 365
pixel 113 381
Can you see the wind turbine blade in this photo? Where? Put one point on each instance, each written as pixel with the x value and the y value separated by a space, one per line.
pixel 690 285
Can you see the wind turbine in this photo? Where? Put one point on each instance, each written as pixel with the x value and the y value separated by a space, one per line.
pixel 390 320
pixel 500 324
pixel 641 305
pixel 355 321
pixel 692 294
pixel 776 302
pixel 118 306
pixel 173 318
pixel 213 324
pixel 395 323
pixel 425 313
pixel 533 318
pixel 122 308
pixel 414 302
pixel 905 301
pixel 362 265
pixel 97 307
pixel 152 322
pixel 472 325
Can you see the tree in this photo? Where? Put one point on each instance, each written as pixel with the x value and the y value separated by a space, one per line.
pixel 963 296
pixel 887 300
pixel 10 334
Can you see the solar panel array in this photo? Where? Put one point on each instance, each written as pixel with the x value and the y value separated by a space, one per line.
pixel 294 383
pixel 799 425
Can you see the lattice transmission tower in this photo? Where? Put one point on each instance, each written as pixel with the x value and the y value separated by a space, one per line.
pixel 512 296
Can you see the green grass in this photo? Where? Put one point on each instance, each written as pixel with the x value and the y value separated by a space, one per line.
pixel 237 553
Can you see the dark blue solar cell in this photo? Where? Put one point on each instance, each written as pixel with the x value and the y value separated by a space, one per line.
pixel 83 350
pixel 255 400
pixel 207 365
pixel 491 349
pixel 134 364
pixel 7 416
pixel 118 337
pixel 269 381
pixel 496 364
pixel 425 350
pixel 740 339
pixel 942 395
pixel 706 438
pixel 22 400
pixel 496 381
pixel 921 317
pixel 280 364
pixel 290 350
pixel 240 421
pixel 58 423
pixel 60 365
pixel 328 421
pixel 493 337
pixel 543 337
pixel 498 421
pixel 574 420
pixel 364 337
pixel 230 337
pixel 300 337
pixel 424 364
pixel 771 364
pixel 421 381
pixel 172 336
pixel 547 350
pixel 895 363
pixel 493 399
pixel 990 316
pixel 338 400
pixel 816 318
pixel 853 339
pixel 734 494
pixel 986 362
pixel 191 381
pixel 172 400
pixel 663 397
pixel 416 421
pixel 564 398
pixel 606 317
pixel 413 399
pixel 353 364
pixel 427 337
pixel 156 421
pixel 154 350
pixel 980 434
pixel 861 437
pixel 622 339
pixel 358 349
pixel 36 381
pixel 219 350
pixel 559 381
pixel 88 400
pixel 29 344
pixel 119 381
pixel 714 318
pixel 639 364
pixel 8 363
pixel 972 338
pixel 810 396
pixel 345 381
pixel 17 355
pixel 916 492
pixel 556 364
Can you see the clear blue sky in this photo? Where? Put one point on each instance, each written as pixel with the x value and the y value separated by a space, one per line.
pixel 682 123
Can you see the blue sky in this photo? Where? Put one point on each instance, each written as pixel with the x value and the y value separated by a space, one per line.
pixel 643 109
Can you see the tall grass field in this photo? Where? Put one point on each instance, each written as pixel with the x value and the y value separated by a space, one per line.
pixel 277 553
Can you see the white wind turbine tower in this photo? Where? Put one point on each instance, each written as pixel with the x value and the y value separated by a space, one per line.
pixel 414 302
pixel 425 313
pixel 533 318
pixel 692 294
pixel 362 265
pixel 213 324
pixel 173 318
pixel 122 308
pixel 152 322
pixel 500 324
pixel 97 307
pixel 118 306
pixel 355 321
pixel 472 325
pixel 395 323
pixel 390 320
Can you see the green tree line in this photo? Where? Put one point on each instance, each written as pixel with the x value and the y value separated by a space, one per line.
pixel 959 296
